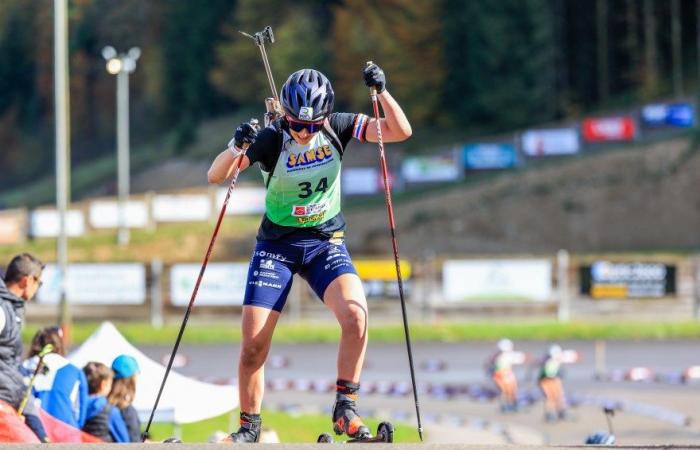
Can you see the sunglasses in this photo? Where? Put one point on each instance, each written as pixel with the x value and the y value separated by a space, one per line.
pixel 311 127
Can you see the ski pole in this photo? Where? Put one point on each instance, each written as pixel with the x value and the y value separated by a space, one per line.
pixel 48 348
pixel 272 104
pixel 392 226
pixel 144 435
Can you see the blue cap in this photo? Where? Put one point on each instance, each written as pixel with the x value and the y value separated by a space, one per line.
pixel 125 366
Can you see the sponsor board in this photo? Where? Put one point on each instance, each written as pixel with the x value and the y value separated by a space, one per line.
pixel 181 208
pixel 244 200
pixel 608 129
pixel 95 284
pixel 605 279
pixel 434 168
pixel 223 284
pixel 105 214
pixel 13 226
pixel 379 277
pixel 550 142
pixel 492 279
pixel 360 181
pixel 44 223
pixel 489 156
pixel 673 114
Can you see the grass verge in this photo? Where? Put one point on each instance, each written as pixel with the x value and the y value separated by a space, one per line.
pixel 211 333
pixel 290 428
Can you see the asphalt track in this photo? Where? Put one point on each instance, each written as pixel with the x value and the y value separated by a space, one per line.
pixel 479 423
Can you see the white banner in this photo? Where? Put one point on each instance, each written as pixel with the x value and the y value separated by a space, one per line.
pixel 361 181
pixel 558 141
pixel 96 284
pixel 244 200
pixel 44 223
pixel 105 214
pixel 223 284
pixel 181 208
pixel 424 169
pixel 488 279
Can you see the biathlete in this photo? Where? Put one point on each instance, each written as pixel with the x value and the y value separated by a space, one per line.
pixel 302 231
pixel 549 380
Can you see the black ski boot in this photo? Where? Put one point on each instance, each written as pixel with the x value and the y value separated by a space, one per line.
pixel 249 430
pixel 347 421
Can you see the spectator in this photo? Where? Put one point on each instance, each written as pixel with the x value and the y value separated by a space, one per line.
pixel 549 381
pixel 500 369
pixel 61 387
pixel 21 282
pixel 102 420
pixel 126 371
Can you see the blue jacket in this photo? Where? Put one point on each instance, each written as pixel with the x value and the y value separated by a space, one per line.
pixel 117 431
pixel 61 387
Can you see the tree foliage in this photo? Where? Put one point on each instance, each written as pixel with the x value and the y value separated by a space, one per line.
pixel 467 65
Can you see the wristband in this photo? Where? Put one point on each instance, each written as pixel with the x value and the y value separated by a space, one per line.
pixel 236 151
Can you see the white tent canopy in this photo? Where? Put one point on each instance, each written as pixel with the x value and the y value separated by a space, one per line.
pixel 184 400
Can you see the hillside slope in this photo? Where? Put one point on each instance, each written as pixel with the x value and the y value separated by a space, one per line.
pixel 624 199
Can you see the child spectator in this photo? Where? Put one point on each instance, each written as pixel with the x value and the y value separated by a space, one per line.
pixel 60 386
pixel 126 371
pixel 102 419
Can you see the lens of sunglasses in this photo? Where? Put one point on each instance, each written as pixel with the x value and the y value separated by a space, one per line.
pixel 310 127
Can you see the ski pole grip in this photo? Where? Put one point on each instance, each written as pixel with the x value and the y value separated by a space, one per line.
pixel 372 90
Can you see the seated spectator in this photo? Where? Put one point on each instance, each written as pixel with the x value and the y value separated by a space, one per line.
pixel 21 282
pixel 126 371
pixel 102 419
pixel 60 386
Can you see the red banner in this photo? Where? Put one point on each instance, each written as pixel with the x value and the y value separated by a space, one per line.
pixel 608 129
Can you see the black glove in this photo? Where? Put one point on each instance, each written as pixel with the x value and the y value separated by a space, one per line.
pixel 244 134
pixel 374 77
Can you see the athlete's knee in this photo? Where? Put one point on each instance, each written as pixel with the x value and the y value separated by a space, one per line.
pixel 353 322
pixel 253 356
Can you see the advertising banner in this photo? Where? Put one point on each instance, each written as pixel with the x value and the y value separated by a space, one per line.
pixel 680 115
pixel 13 226
pixel 105 214
pixel 497 279
pixel 604 279
pixel 556 141
pixel 96 284
pixel 433 168
pixel 44 223
pixel 181 208
pixel 489 156
pixel 244 200
pixel 361 181
pixel 379 277
pixel 609 129
pixel 223 284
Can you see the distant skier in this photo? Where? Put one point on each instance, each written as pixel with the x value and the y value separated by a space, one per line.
pixel 549 380
pixel 500 369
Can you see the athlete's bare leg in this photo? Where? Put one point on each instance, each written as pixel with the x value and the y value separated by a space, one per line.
pixel 257 326
pixel 346 298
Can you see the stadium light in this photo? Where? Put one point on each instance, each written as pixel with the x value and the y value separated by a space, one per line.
pixel 121 65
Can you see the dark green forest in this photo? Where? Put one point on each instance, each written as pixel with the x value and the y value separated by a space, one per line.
pixel 473 66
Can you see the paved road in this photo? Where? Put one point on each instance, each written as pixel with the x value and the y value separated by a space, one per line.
pixel 478 422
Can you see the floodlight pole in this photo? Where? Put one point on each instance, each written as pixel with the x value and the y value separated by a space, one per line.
pixel 62 117
pixel 122 65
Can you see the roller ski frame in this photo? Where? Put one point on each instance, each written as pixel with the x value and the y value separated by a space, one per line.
pixel 385 435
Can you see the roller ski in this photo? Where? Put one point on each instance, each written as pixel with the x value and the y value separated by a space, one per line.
pixel 385 435
pixel 347 422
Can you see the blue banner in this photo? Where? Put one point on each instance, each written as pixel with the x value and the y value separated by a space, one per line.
pixel 675 115
pixel 681 115
pixel 490 156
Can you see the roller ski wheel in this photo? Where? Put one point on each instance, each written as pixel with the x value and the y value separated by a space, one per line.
pixel 385 435
pixel 325 438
